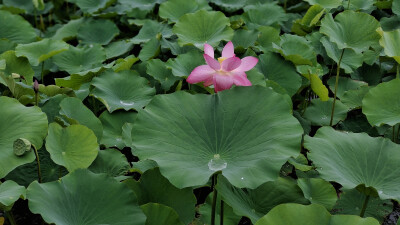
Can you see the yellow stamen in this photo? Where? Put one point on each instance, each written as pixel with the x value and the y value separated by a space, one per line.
pixel 221 59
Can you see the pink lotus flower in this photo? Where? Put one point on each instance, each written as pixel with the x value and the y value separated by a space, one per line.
pixel 227 71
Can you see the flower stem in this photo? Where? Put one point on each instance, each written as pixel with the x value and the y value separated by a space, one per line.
pixel 38 164
pixel 41 74
pixel 336 85
pixel 214 200
pixel 10 217
pixel 221 214
pixel 364 207
pixel 348 5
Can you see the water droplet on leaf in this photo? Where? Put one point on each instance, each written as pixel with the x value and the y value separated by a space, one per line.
pixel 126 103
pixel 217 163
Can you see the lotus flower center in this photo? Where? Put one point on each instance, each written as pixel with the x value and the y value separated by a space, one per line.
pixel 221 59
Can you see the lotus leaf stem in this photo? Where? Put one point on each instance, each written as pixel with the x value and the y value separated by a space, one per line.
pixel 364 207
pixel 38 164
pixel 214 200
pixel 221 214
pixel 348 5
pixel 41 74
pixel 393 136
pixel 10 217
pixel 336 85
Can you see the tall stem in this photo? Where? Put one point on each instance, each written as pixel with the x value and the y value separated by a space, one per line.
pixel 42 74
pixel 336 85
pixel 10 218
pixel 364 207
pixel 38 165
pixel 348 5
pixel 214 200
pixel 221 214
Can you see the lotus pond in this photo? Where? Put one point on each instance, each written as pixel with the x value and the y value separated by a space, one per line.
pixel 192 112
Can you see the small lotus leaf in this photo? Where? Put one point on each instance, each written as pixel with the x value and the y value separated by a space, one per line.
pixel 160 214
pixel 319 112
pixel 16 28
pixel 174 9
pixel 328 4
pixel 10 192
pixel 390 41
pixel 111 162
pixel 37 52
pixel 18 65
pixel 97 31
pixel 318 191
pixel 158 70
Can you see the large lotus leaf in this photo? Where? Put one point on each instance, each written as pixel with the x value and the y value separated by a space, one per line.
pixel 150 50
pixel 269 14
pixel 19 65
pixel 68 31
pixel 319 112
pixel 194 136
pixel 10 192
pixel 158 70
pixel 174 9
pixel 243 39
pixel 318 191
pixel 97 31
pixel 371 161
pixel 396 7
pixel 357 5
pixel 74 147
pixel 350 59
pixel 18 121
pixel 175 48
pixel 123 90
pixel 345 84
pixel 85 198
pixel 268 35
pixel 155 188
pixel 184 64
pixel 280 71
pixel 112 127
pixel 74 109
pixel 296 49
pixel 351 202
pixel 390 41
pixel 76 59
pixel 150 30
pixel 295 214
pixel 381 105
pixel 230 5
pixel 254 204
pixel 203 27
pixel 353 98
pixel 37 52
pixel 141 4
pixel 16 28
pixel 91 6
pixel 230 218
pixel 118 48
pixel 160 214
pixel 111 162
pixel 6 45
pixel 355 30
pixel 328 4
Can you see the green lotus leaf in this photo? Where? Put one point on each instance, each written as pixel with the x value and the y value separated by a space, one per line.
pixel 141 4
pixel 155 188
pixel 318 191
pixel 350 60
pixel 160 214
pixel 356 5
pixel 143 165
pixel 150 30
pixel 390 42
pixel 24 5
pixel 300 162
pixel 268 36
pixel 328 4
pixel 296 49
pixel 111 162
pixel 282 72
pixel 77 60
pixel 295 214
pixel 18 121
pixel 269 14
pixel 123 90
pixel 371 160
pixel 124 64
pixel 210 137
pixel 396 7
pixel 184 64
pixel 317 86
pixel 91 6
pixel 16 28
pixel 175 48
pixel 6 45
pixel 73 108
pixel 68 31
pixel 158 70
pixel 353 98
pixel 18 65
pixel 118 48
pixel 10 192
pixel 309 21
pixel 230 218
pixel 254 204
pixel 174 9
pixel 97 31
pixel 37 52
pixel 243 39
pixel 150 50
pixel 351 202
pixel 203 27
pixel 345 84
pixel 85 198
pixel 357 124
pixel 381 105
pixel 354 30
pixel 75 81
pixel 319 112
pixel 112 127
pixel 27 173
pixel 229 5
pixel 73 147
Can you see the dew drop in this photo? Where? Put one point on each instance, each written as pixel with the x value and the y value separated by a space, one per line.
pixel 380 192
pixel 91 46
pixel 320 168
pixel 242 178
pixel 217 163
pixel 324 117
pixel 126 103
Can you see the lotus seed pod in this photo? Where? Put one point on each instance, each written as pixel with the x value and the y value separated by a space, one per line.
pixel 21 145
